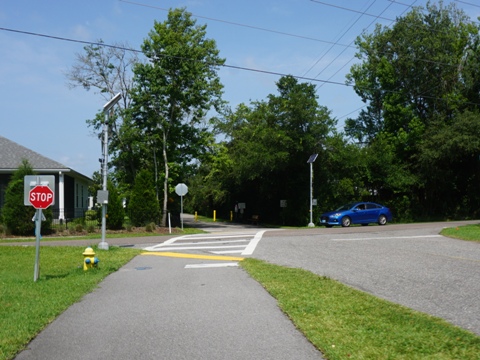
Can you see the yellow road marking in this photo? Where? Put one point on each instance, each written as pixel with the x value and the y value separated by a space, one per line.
pixel 194 256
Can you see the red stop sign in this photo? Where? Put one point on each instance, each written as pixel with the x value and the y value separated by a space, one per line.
pixel 41 197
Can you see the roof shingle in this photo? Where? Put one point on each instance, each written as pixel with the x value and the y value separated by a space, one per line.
pixel 12 154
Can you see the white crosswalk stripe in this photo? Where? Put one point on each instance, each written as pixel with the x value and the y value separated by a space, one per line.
pixel 243 244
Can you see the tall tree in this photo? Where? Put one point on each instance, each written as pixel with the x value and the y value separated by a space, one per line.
pixel 107 69
pixel 415 77
pixel 269 144
pixel 175 89
pixel 420 69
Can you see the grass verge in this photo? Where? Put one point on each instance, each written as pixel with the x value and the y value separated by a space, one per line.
pixel 465 232
pixel 26 307
pixel 344 323
pixel 96 236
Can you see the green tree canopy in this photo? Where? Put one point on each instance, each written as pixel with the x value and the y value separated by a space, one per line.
pixel 420 81
pixel 267 148
pixel 174 90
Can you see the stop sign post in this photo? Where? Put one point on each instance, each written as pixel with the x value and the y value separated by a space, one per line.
pixel 39 191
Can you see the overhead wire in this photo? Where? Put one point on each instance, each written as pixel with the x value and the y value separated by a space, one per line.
pixel 467 3
pixel 340 54
pixel 237 24
pixel 328 81
pixel 425 60
pixel 303 77
pixel 340 37
pixel 352 10
pixel 96 43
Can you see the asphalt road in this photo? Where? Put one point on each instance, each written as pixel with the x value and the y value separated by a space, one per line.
pixel 410 265
pixel 159 308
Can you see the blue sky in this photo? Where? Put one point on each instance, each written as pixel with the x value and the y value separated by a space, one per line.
pixel 298 37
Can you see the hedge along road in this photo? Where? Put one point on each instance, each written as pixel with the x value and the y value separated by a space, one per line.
pixel 407 264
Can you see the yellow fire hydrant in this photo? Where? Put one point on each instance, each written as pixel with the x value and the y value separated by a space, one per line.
pixel 89 259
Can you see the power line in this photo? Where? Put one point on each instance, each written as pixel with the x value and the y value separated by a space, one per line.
pixel 467 3
pixel 352 10
pixel 328 50
pixel 239 24
pixel 371 23
pixel 176 57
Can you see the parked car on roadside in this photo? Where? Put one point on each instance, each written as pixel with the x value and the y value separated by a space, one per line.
pixel 357 213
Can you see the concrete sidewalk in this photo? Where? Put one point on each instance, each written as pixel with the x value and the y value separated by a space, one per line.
pixel 155 308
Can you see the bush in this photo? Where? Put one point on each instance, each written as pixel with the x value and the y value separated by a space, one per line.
pixel 16 216
pixel 143 207
pixel 150 227
pixel 90 215
pixel 115 210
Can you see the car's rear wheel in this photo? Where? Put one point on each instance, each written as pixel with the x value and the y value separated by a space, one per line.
pixel 382 220
pixel 346 221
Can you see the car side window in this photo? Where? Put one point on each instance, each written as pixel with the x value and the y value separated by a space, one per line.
pixel 361 207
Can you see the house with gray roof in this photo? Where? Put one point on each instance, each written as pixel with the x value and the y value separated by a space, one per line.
pixel 71 187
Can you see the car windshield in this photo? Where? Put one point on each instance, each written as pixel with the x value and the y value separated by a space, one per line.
pixel 345 207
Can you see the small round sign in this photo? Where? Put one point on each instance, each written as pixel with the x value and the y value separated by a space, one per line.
pixel 41 197
pixel 181 189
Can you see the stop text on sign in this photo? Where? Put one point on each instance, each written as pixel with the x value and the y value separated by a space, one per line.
pixel 42 197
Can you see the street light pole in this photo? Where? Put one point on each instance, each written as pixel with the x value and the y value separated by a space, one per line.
pixel 106 110
pixel 311 160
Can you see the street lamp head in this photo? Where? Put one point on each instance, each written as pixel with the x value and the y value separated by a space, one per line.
pixel 312 158
pixel 112 102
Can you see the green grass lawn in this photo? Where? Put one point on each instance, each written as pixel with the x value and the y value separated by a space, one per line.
pixel 96 236
pixel 466 232
pixel 26 307
pixel 342 322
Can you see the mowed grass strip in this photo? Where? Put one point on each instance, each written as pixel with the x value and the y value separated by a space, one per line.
pixel 344 323
pixel 26 307
pixel 465 232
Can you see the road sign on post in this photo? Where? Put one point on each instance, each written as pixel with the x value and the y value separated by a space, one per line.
pixel 39 192
pixel 181 190
pixel 41 197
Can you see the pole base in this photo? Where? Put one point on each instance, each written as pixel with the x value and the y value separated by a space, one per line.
pixel 103 245
pixel 311 225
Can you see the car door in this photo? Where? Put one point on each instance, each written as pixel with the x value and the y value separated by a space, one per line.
pixel 371 212
pixel 359 213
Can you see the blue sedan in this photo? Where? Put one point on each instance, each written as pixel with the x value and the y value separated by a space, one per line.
pixel 357 213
